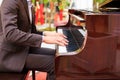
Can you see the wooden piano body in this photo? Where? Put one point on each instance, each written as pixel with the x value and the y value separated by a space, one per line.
pixel 99 58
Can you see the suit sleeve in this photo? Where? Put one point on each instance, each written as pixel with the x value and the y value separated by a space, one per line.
pixel 9 15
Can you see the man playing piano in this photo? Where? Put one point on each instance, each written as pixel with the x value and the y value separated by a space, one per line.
pixel 20 42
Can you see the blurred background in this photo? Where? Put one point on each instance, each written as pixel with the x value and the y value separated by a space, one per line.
pixel 52 13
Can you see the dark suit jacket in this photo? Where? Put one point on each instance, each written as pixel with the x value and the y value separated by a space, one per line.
pixel 16 35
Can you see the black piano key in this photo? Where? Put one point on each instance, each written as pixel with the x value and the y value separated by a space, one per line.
pixel 78 37
pixel 72 45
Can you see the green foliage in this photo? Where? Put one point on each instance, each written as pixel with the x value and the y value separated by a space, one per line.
pixel 33 1
pixel 100 1
pixel 63 4
pixel 54 0
pixel 45 1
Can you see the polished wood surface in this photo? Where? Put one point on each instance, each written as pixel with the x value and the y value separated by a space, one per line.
pixel 105 23
pixel 97 23
pixel 75 72
pixel 100 58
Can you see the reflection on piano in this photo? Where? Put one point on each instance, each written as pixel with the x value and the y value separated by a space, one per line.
pixel 110 6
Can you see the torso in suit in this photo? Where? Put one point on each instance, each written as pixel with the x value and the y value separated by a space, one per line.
pixel 15 35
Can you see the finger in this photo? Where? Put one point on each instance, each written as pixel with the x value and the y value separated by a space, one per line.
pixel 63 42
pixel 60 43
pixel 60 39
pixel 62 35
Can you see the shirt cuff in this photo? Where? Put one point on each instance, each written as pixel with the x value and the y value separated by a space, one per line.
pixel 42 38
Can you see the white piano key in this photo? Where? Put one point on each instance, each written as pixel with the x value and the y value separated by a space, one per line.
pixel 62 49
pixel 60 31
pixel 51 46
pixel 83 32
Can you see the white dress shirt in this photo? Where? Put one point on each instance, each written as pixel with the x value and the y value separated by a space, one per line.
pixel 1 2
pixel 30 9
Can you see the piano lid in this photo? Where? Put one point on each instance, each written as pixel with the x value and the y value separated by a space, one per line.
pixel 110 6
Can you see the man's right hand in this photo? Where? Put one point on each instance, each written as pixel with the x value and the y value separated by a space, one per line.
pixel 60 40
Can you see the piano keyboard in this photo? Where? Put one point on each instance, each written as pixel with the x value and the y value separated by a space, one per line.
pixel 76 38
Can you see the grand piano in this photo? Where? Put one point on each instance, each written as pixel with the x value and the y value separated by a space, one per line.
pixel 100 57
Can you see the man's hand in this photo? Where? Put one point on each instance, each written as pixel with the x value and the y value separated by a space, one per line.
pixel 49 33
pixel 55 40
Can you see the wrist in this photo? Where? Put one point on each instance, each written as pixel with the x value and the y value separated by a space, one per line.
pixel 43 38
pixel 45 33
